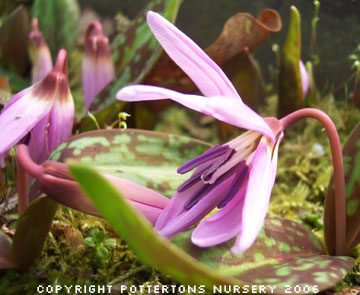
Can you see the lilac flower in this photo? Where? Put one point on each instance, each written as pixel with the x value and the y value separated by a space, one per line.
pixel 40 116
pixel 39 53
pixel 56 181
pixel 238 176
pixel 97 65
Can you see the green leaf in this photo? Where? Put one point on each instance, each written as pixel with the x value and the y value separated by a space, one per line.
pixel 58 21
pixel 99 236
pixel 102 252
pixel 285 254
pixel 145 157
pixel 134 53
pixel 291 95
pixel 89 241
pixel 6 261
pixel 351 155
pixel 31 231
pixel 139 234
pixel 13 40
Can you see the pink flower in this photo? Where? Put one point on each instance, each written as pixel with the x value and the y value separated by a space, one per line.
pixel 40 116
pixel 39 53
pixel 238 176
pixel 97 65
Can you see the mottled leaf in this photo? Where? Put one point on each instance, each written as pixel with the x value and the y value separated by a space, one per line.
pixel 284 254
pixel 144 157
pixel 6 261
pixel 134 53
pixel 13 40
pixel 58 21
pixel 139 234
pixel 351 155
pixel 291 95
pixel 31 231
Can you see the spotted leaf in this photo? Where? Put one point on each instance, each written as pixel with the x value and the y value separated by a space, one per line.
pixel 31 231
pixel 144 157
pixel 284 254
pixel 291 95
pixel 351 154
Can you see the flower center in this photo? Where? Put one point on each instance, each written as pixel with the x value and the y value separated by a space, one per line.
pixel 218 164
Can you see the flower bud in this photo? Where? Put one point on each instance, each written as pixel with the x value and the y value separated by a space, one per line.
pixel 97 65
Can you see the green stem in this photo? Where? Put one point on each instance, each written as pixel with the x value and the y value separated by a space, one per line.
pixel 338 166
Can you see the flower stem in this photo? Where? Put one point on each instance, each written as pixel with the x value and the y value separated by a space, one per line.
pixel 22 189
pixel 338 166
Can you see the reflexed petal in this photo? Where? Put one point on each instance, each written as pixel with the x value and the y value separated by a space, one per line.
pixel 223 225
pixel 60 121
pixel 204 72
pixel 175 218
pixel 225 109
pixel 17 119
pixel 256 202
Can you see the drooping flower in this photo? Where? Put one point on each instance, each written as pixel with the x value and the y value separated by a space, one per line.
pixel 40 116
pixel 56 181
pixel 238 176
pixel 39 53
pixel 97 64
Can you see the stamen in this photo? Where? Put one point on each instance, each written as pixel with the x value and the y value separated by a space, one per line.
pixel 210 154
pixel 235 185
pixel 193 179
pixel 208 187
pixel 218 163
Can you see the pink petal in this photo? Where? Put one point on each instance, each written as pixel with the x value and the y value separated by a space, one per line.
pixel 38 145
pixel 17 119
pixel 138 193
pixel 175 219
pixel 61 121
pixel 256 202
pixel 225 109
pixel 223 225
pixel 42 64
pixel 204 72
pixel 67 192
pixel 96 74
